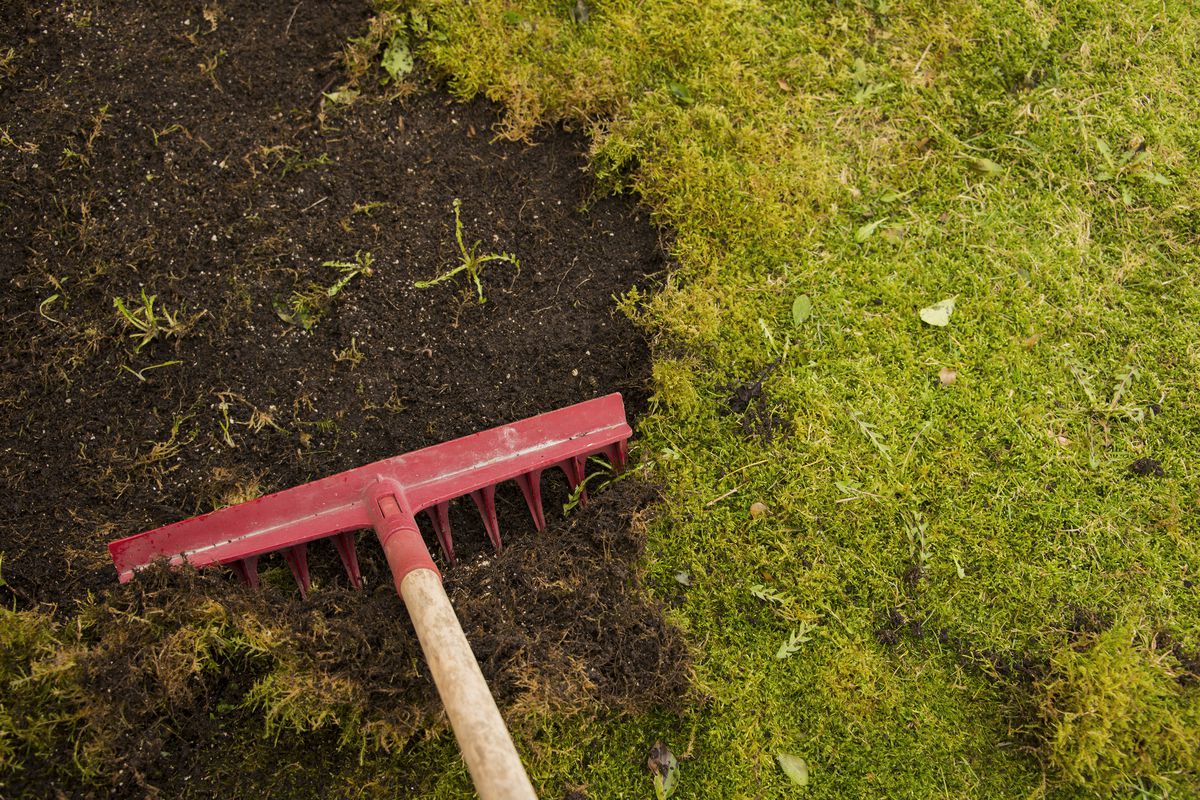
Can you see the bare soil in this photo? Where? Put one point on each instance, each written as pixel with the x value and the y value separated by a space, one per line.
pixel 191 153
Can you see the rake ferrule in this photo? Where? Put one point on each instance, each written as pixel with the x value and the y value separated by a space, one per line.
pixel 397 531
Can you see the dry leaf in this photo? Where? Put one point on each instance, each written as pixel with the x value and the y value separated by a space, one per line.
pixel 664 769
pixel 794 767
pixel 939 313
pixel 947 376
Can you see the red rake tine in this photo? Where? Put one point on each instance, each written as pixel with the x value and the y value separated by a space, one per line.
pixel 344 542
pixel 247 571
pixel 297 561
pixel 385 496
pixel 531 488
pixel 485 501
pixel 439 517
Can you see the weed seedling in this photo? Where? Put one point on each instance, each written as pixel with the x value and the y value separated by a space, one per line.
pixel 305 308
pixel 72 158
pixel 258 420
pixel 918 547
pixel 606 471
pixel 98 120
pixel 1119 168
pixel 167 131
pixel 8 68
pixel 59 296
pixel 150 323
pixel 367 208
pixel 21 147
pixel 472 262
pixel 296 163
pixel 140 374
pixel 208 68
pixel 799 636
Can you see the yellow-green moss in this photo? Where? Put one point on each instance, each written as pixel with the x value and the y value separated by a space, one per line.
pixel 1114 716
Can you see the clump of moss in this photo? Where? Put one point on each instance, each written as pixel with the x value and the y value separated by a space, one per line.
pixel 37 706
pixel 1113 714
pixel 175 658
pixel 86 700
pixel 674 387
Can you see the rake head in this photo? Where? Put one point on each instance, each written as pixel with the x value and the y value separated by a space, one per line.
pixel 387 494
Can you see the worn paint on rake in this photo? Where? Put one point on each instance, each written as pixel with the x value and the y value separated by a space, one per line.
pixel 429 479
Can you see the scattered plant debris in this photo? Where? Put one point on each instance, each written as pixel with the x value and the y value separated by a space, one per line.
pixel 939 313
pixel 664 768
pixel 795 767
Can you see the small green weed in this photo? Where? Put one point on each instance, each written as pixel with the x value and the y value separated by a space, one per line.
pixel 368 207
pixel 140 374
pixel 296 163
pixel 802 634
pixel 918 545
pixel 21 147
pixel 386 48
pixel 606 472
pixel 8 66
pixel 305 308
pixel 150 323
pixel 1131 164
pixel 351 355
pixel 472 263
pixel 208 68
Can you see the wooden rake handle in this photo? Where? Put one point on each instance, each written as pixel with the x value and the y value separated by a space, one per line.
pixel 482 736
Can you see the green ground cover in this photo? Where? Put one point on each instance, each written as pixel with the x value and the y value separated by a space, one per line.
pixel 975 581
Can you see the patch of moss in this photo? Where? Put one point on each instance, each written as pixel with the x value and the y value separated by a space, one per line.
pixel 1028 159
pixel 674 387
pixel 39 699
pixel 1113 715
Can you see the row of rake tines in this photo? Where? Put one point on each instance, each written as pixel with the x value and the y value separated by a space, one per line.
pixel 530 484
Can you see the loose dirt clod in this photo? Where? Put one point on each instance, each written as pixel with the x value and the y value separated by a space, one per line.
pixel 1145 467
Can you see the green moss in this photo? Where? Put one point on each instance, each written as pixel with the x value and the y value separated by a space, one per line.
pixel 982 137
pixel 1113 715
pixel 41 712
pixel 674 387
pixel 81 699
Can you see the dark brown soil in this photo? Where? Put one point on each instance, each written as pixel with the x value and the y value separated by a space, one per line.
pixel 209 222
pixel 191 155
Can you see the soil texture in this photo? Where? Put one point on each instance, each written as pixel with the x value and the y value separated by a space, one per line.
pixel 209 267
pixel 222 194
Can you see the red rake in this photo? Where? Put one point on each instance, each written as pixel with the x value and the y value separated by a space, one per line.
pixel 386 496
